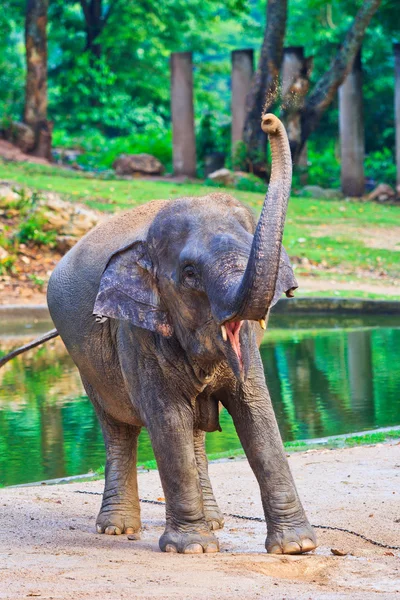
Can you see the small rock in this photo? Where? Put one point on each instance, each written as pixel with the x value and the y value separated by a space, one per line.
pixel 337 552
pixel 315 191
pixel 138 164
pixel 133 537
pixel 3 253
pixel 382 193
pixel 21 135
pixel 7 195
pixel 223 176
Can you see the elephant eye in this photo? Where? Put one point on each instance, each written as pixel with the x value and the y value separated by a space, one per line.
pixel 189 272
pixel 190 277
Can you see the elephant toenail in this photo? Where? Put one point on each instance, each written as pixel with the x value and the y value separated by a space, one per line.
pixel 99 529
pixel 292 548
pixel 129 530
pixel 170 548
pixel 214 525
pixel 275 550
pixel 193 549
pixel 111 530
pixel 211 548
pixel 307 545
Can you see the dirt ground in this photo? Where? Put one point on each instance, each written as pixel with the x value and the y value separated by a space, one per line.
pixel 49 548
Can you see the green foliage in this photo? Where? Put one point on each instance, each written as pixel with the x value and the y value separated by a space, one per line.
pixel 37 280
pixel 239 158
pixel 7 264
pixel 12 67
pixel 31 230
pixel 251 183
pixel 380 166
pixel 323 165
pixel 99 151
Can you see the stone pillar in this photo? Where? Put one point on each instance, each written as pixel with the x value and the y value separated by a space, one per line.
pixel 242 73
pixel 396 49
pixel 351 128
pixel 295 76
pixel 184 142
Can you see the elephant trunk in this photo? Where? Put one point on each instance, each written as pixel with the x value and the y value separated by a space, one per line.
pixel 256 289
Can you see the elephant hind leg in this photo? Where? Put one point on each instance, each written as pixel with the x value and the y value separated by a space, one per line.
pixel 212 513
pixel 120 508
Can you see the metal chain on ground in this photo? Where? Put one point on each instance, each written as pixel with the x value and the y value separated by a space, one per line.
pixel 261 520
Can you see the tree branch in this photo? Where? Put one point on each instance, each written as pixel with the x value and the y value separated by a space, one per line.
pixel 265 82
pixel 326 88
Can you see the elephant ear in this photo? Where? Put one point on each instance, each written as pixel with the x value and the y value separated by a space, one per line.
pixel 128 291
pixel 286 281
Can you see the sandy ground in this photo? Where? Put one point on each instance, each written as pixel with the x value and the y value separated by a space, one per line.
pixel 49 548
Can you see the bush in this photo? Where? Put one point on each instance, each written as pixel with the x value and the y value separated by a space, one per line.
pixel 381 167
pixel 99 152
pixel 323 166
pixel 31 230
pixel 251 183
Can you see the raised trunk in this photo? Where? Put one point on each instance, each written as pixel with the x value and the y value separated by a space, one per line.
pixel 256 290
pixel 35 112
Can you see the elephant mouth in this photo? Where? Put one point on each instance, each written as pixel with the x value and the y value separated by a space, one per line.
pixel 236 342
pixel 231 332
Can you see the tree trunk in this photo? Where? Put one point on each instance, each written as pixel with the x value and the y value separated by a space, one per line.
pixel 264 86
pixel 296 71
pixel 35 112
pixel 396 48
pixel 92 11
pixel 242 72
pixel 351 127
pixel 326 88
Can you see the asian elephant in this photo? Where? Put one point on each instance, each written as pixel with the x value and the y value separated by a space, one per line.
pixel 162 309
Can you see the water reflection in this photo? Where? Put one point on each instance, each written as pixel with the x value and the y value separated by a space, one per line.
pixel 325 377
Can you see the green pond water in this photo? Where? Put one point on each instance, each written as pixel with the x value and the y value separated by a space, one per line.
pixel 326 376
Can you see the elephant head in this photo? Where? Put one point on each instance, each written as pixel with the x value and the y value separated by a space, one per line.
pixel 204 270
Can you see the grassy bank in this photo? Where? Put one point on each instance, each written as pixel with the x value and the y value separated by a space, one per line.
pixel 346 241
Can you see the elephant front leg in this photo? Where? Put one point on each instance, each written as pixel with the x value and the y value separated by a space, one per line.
pixel 288 529
pixel 214 516
pixel 171 433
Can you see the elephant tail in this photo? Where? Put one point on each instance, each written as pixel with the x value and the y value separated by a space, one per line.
pixel 40 340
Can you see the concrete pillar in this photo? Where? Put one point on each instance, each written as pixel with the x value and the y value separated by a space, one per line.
pixel 351 128
pixel 295 78
pixel 396 49
pixel 242 73
pixel 184 142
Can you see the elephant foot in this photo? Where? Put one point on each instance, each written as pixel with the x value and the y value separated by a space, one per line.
pixel 116 522
pixel 214 518
pixel 189 542
pixel 293 540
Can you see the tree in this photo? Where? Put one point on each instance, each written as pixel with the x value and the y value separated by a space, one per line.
pixel 327 86
pixel 35 112
pixel 265 82
pixel 265 85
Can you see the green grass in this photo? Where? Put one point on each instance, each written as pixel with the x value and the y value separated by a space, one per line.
pixel 352 293
pixel 345 245
pixel 296 446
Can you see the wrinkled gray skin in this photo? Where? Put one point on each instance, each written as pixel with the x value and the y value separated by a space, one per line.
pixel 167 275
